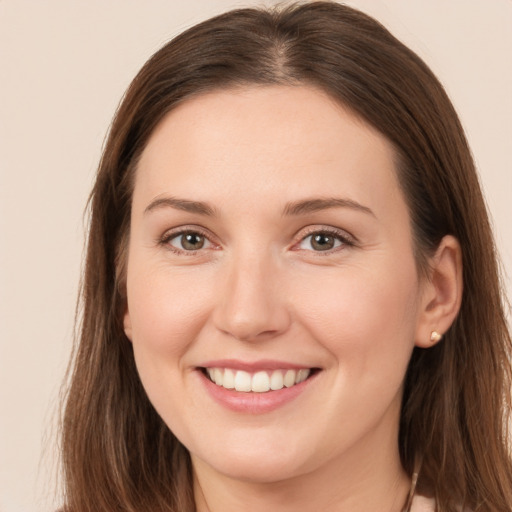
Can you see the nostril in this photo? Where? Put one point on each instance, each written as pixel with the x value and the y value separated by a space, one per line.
pixel 248 336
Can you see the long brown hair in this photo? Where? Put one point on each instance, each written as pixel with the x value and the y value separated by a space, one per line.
pixel 117 452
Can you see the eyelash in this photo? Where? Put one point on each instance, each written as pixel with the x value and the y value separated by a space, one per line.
pixel 180 232
pixel 343 237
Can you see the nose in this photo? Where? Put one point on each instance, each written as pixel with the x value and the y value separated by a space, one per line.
pixel 251 303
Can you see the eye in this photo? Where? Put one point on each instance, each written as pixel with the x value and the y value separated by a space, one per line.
pixel 322 241
pixel 188 241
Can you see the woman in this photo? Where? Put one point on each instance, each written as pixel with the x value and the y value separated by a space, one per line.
pixel 290 299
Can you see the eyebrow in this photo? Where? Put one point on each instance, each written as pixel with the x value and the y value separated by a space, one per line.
pixel 318 204
pixel 294 208
pixel 186 205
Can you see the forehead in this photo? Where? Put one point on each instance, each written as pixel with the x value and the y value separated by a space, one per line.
pixel 276 141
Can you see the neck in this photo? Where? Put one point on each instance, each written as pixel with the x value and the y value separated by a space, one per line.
pixel 370 477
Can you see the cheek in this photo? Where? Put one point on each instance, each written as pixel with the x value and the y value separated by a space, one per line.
pixel 166 311
pixel 366 321
pixel 364 315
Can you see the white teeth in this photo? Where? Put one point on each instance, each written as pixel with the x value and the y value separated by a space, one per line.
pixel 229 379
pixel 289 378
pixel 218 376
pixel 259 382
pixel 276 381
pixel 242 381
pixel 302 375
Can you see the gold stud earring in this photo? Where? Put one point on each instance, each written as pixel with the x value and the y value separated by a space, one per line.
pixel 435 337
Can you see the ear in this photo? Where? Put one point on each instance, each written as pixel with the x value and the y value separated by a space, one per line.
pixel 127 324
pixel 442 293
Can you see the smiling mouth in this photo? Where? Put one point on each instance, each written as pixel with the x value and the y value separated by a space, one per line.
pixel 259 382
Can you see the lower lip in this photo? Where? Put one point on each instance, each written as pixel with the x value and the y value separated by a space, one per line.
pixel 254 403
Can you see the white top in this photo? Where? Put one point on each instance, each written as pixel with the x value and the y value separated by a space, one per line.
pixel 422 504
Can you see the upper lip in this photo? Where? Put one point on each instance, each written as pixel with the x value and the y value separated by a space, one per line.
pixel 253 366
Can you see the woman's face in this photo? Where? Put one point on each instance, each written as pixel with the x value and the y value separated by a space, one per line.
pixel 270 242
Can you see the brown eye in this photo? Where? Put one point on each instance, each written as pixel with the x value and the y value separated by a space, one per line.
pixel 189 241
pixel 192 241
pixel 321 242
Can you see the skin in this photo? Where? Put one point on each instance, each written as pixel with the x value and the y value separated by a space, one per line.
pixel 259 289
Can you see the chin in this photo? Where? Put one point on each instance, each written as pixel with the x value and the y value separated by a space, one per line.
pixel 256 463
pixel 258 471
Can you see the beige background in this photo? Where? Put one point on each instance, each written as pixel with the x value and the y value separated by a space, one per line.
pixel 63 68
